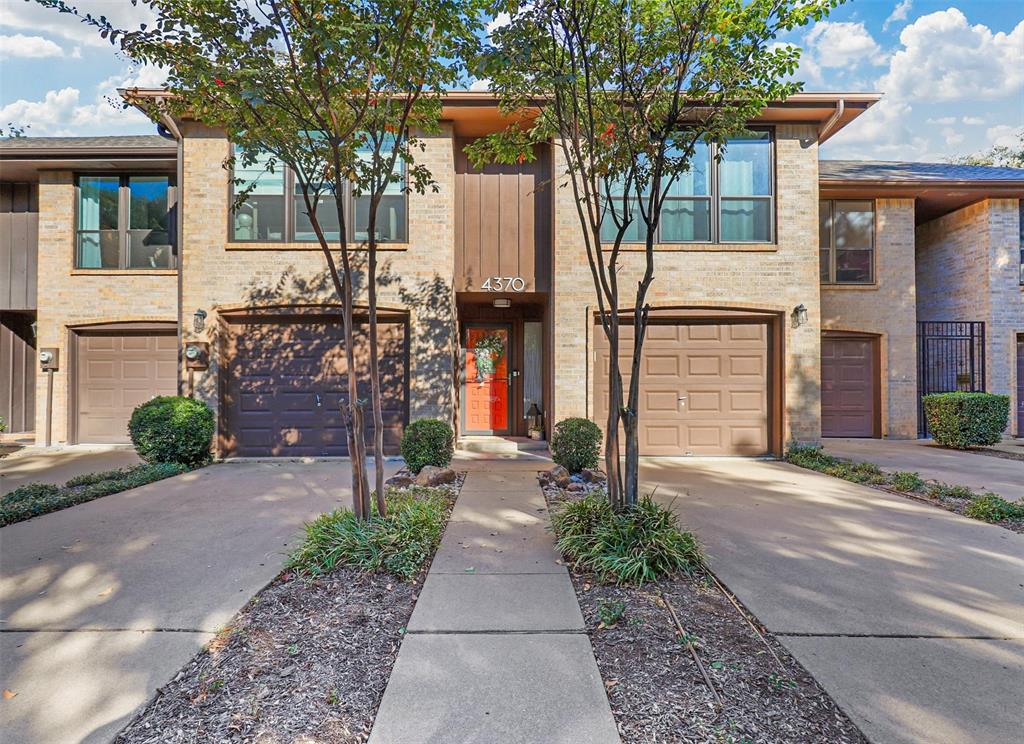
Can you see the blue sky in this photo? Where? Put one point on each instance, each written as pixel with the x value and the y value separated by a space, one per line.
pixel 952 72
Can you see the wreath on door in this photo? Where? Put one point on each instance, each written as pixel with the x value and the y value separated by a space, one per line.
pixel 488 352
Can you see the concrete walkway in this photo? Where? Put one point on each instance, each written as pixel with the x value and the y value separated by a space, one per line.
pixel 495 650
pixel 978 472
pixel 58 464
pixel 910 616
pixel 102 603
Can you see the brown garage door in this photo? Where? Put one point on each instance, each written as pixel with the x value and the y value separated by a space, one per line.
pixel 848 386
pixel 116 371
pixel 286 381
pixel 704 389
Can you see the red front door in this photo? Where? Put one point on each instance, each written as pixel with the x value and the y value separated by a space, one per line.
pixel 485 389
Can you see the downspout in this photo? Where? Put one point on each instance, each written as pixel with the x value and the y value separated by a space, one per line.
pixel 833 121
pixel 167 121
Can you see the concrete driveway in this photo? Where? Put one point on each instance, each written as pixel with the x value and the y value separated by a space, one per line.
pixel 56 465
pixel 102 603
pixel 978 472
pixel 911 617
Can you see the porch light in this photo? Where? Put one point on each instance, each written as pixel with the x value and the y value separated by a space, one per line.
pixel 502 302
pixel 199 320
pixel 799 315
pixel 35 329
pixel 535 421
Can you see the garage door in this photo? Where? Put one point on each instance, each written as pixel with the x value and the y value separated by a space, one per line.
pixel 848 380
pixel 704 389
pixel 115 373
pixel 286 382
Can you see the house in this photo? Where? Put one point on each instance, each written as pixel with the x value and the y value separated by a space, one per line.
pixel 786 305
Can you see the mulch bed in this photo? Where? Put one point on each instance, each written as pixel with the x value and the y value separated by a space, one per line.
pixel 305 662
pixel 656 690
pixel 988 452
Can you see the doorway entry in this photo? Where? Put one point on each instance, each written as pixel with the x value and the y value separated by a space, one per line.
pixel 486 378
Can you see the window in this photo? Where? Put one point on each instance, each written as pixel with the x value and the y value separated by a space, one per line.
pixel 267 215
pixel 726 197
pixel 846 242
pixel 125 222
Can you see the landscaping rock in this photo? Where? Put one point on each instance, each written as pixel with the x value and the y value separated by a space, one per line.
pixel 593 475
pixel 576 487
pixel 557 476
pixel 401 480
pixel 435 476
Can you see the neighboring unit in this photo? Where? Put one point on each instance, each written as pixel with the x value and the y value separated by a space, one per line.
pixel 789 301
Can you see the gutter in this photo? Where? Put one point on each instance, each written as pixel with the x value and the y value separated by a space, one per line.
pixel 833 121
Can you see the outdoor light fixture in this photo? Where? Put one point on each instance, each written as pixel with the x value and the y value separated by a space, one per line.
pixel 199 320
pixel 799 315
pixel 502 302
pixel 35 329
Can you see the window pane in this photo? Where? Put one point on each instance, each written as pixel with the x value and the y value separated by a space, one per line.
pixel 148 249
pixel 98 202
pixel 326 214
pixel 746 221
pixel 390 225
pixel 745 169
pixel 854 224
pixel 635 232
pixel 697 181
pixel 823 265
pixel 853 266
pixel 261 216
pixel 686 220
pixel 98 250
pixel 824 225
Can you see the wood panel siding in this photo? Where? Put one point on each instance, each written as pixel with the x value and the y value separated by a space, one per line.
pixel 17 372
pixel 502 222
pixel 19 240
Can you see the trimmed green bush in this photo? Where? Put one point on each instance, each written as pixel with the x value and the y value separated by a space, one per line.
pixel 965 420
pixel 34 499
pixel 427 442
pixel 172 428
pixel 993 508
pixel 906 481
pixel 643 543
pixel 400 543
pixel 576 444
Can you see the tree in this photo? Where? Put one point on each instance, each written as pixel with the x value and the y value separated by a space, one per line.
pixel 1003 156
pixel 628 90
pixel 337 91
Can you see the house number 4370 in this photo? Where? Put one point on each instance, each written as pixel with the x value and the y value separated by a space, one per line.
pixel 504 284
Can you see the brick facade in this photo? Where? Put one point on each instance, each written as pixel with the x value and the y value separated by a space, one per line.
pixel 968 265
pixel 773 278
pixel 887 309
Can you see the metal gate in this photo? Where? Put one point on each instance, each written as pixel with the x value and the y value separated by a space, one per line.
pixel 950 357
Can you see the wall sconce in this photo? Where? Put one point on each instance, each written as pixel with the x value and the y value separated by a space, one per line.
pixel 799 315
pixel 199 320
pixel 35 329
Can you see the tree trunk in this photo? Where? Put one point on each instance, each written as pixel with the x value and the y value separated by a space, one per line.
pixel 375 394
pixel 612 455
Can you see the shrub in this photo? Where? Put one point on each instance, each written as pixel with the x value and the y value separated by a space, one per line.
pixel 811 457
pixel 814 458
pixel 991 507
pixel 964 420
pixel 173 429
pixel 576 444
pixel 906 482
pixel 643 543
pixel 427 442
pixel 399 543
pixel 941 491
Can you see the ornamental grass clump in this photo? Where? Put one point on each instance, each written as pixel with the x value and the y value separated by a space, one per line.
pixel 643 543
pixel 400 543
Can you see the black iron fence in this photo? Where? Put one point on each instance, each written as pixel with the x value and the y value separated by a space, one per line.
pixel 950 357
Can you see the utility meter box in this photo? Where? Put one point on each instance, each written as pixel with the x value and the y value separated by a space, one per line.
pixel 49 359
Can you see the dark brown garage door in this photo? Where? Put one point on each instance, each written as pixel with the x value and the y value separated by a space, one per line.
pixel 117 371
pixel 848 386
pixel 704 389
pixel 286 381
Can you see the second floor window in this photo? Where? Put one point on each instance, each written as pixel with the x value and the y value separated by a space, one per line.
pixel 125 222
pixel 727 196
pixel 846 241
pixel 269 215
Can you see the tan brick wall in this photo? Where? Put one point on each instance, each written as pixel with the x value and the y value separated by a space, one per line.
pixel 772 278
pixel 968 265
pixel 67 298
pixel 221 275
pixel 888 309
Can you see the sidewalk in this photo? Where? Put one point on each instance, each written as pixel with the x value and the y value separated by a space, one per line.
pixel 495 650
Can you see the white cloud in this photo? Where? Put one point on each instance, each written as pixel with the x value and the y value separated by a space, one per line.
pixel 19 45
pixel 945 59
pixel 886 131
pixel 842 44
pixel 481 84
pixel 973 120
pixel 952 137
pixel 502 19
pixel 899 13
pixel 1004 135
pixel 38 19
pixel 947 120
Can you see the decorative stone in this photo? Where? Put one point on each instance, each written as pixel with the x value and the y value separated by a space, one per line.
pixel 401 480
pixel 575 487
pixel 593 475
pixel 431 475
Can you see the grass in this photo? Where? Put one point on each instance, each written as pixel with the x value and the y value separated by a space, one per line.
pixel 400 543
pixel 35 499
pixel 641 544
pixel 987 507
